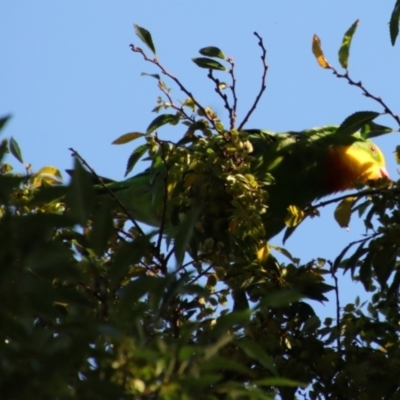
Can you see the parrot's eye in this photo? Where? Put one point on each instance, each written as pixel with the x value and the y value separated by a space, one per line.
pixel 372 149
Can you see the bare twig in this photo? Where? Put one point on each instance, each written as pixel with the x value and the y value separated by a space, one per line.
pixel 357 194
pixel 231 109
pixel 366 93
pixel 169 255
pixel 338 324
pixel 175 79
pixel 223 96
pixel 173 105
pixel 232 116
pixel 165 196
pixel 201 274
pixel 263 79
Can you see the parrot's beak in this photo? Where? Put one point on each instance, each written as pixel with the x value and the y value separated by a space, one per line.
pixel 384 173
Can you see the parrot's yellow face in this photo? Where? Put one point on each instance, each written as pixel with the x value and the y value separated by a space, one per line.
pixel 359 162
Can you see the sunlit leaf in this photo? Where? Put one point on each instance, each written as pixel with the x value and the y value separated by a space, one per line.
pixel 263 253
pixel 344 50
pixel 50 175
pixel 190 103
pixel 145 36
pixel 343 211
pixel 318 53
pixel 222 86
pixel 128 137
pixel 294 216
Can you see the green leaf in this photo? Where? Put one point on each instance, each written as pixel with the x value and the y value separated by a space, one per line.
pixel 351 263
pixel 47 194
pixel 218 364
pixel 344 50
pixel 80 195
pixel 208 63
pixel 278 381
pixel 397 154
pixel 343 211
pixel 228 321
pixel 212 51
pixel 281 298
pixel 3 121
pixel 211 350
pixel 135 157
pixel 384 261
pixel 128 137
pixel 371 130
pixel 145 36
pixel 128 255
pixel 311 324
pixel 366 271
pixel 156 76
pixel 15 150
pixel 254 350
pixel 5 168
pixel 284 252
pixel 184 234
pixel 356 121
pixel 288 232
pixel 102 226
pixel 137 288
pixel 162 120
pixel 394 23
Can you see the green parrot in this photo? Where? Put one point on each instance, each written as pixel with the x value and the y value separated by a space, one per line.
pixel 305 166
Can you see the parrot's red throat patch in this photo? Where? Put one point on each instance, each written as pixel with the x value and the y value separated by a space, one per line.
pixel 349 164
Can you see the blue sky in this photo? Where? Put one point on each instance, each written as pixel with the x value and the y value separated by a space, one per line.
pixel 70 79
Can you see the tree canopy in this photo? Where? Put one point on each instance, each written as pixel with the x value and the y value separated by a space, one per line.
pixel 97 306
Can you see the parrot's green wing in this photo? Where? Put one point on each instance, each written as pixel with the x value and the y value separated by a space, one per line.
pixel 140 195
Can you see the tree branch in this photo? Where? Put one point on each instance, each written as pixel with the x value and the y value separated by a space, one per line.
pixel 263 79
pixel 366 93
pixel 175 79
